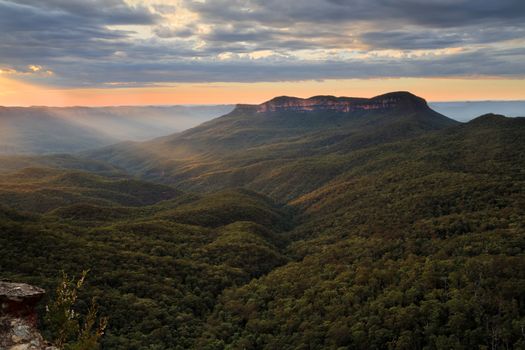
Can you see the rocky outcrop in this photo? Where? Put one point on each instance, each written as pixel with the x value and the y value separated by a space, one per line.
pixel 340 104
pixel 18 317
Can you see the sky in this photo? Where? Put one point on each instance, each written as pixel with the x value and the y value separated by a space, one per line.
pixel 129 52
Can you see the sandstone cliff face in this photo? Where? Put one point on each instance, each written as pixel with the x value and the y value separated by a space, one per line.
pixel 322 104
pixel 18 317
pixel 339 104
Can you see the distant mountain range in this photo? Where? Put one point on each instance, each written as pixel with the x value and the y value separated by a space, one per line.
pixel 48 130
pixel 468 110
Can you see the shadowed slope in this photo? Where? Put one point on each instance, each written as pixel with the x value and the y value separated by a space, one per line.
pixel 253 144
pixel 400 251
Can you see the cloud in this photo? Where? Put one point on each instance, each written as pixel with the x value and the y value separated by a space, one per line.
pixel 65 29
pixel 236 69
pixel 165 8
pixel 164 32
pixel 401 24
pixel 112 43
pixel 436 39
pixel 31 69
pixel 432 13
pixel 103 12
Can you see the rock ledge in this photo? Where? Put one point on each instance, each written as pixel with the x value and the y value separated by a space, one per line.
pixel 18 317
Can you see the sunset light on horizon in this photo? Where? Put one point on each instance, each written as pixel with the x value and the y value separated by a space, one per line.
pixel 16 93
pixel 149 52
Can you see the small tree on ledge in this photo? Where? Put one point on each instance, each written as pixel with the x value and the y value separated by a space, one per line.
pixel 70 330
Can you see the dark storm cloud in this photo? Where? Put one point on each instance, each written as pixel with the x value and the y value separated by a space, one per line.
pixel 77 40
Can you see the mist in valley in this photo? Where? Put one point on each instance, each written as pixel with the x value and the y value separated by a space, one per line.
pixel 43 130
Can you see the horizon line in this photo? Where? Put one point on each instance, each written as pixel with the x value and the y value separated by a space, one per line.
pixel 231 104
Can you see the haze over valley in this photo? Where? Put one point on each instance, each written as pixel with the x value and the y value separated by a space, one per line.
pixel 48 130
pixel 468 110
pixel 37 130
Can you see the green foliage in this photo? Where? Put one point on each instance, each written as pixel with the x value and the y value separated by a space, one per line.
pixel 379 241
pixel 41 190
pixel 91 333
pixel 157 278
pixel 65 325
pixel 365 293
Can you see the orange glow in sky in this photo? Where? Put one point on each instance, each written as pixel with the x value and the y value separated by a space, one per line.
pixel 16 93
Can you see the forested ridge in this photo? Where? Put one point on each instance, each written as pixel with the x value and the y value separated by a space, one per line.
pixel 390 228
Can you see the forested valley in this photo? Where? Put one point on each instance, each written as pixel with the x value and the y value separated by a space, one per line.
pixel 296 224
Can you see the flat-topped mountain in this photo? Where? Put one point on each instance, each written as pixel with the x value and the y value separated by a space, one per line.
pixel 280 117
pixel 276 131
pixel 315 103
pixel 384 102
